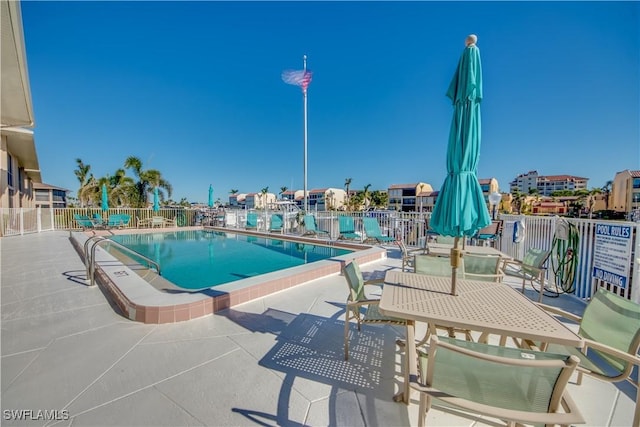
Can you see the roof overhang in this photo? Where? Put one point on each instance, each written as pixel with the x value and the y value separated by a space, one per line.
pixel 20 144
pixel 16 108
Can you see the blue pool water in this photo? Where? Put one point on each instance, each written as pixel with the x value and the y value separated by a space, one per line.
pixel 198 259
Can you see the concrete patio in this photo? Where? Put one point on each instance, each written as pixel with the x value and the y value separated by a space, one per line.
pixel 273 361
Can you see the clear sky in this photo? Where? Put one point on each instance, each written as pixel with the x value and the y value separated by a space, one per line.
pixel 194 90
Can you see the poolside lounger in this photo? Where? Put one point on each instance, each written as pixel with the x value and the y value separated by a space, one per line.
pixel 252 221
pixel 118 220
pixel 311 227
pixel 347 228
pixel 373 232
pixel 84 221
pixel 276 223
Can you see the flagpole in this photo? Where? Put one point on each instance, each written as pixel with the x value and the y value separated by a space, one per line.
pixel 306 207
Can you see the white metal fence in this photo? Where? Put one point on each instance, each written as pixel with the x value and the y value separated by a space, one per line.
pixel 412 227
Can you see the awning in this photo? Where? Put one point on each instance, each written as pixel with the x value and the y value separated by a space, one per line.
pixel 16 108
pixel 20 144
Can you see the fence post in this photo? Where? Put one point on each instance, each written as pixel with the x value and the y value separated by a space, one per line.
pixel 21 221
pixel 39 219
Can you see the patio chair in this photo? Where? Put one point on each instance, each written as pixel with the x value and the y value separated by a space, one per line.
pixel 310 226
pixel 252 221
pixel 358 299
pixel 407 255
pixel 438 266
pixel 531 269
pixel 509 384
pixel 489 234
pixel 347 228
pixel 487 268
pixel 373 232
pixel 446 240
pixel 610 328
pixel 276 223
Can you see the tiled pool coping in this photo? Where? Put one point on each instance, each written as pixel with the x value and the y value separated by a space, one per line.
pixel 141 302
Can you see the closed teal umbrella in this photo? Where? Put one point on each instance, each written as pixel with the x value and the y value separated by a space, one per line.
pixel 460 209
pixel 156 200
pixel 210 196
pixel 105 199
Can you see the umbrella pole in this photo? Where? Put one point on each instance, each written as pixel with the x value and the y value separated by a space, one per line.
pixel 455 262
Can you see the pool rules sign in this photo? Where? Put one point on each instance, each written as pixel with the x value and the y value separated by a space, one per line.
pixel 612 254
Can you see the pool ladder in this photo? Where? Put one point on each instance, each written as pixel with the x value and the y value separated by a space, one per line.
pixel 90 255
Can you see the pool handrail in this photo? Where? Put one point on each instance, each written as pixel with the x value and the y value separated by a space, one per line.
pixel 90 260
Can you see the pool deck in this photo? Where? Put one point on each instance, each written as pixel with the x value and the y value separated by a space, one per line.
pixel 276 360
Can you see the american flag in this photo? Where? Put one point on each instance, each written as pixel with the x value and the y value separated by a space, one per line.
pixel 300 78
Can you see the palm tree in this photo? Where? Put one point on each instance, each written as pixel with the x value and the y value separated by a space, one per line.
pixel 379 199
pixel 606 190
pixel 347 183
pixel 147 181
pixel 366 196
pixel 263 196
pixel 233 191
pixel 282 191
pixel 591 201
pixel 84 176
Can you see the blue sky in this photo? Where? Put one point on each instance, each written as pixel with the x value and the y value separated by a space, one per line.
pixel 194 89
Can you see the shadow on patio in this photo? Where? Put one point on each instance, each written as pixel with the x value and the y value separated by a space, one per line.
pixel 309 348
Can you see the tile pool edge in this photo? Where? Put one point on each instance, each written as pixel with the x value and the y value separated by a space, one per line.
pixel 140 301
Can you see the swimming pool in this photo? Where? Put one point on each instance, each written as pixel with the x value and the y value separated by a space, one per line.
pixel 201 259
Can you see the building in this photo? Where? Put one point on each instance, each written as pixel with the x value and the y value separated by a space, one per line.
pixel 296 196
pixel 49 196
pixel 19 166
pixel 625 191
pixel 325 199
pixel 237 200
pixel 545 185
pixel 404 197
pixel 259 200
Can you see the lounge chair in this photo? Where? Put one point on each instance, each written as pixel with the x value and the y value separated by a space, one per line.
pixel 118 220
pixel 347 228
pixel 373 232
pixel 84 222
pixel 358 299
pixel 98 220
pixel 311 227
pixel 510 384
pixel 610 329
pixel 276 223
pixel 252 221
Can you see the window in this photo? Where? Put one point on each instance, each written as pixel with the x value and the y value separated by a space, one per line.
pixel 636 182
pixel 42 196
pixel 9 170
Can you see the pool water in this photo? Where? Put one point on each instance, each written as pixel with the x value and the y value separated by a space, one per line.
pixel 199 259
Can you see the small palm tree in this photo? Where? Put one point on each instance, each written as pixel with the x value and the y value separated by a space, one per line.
pixel 147 181
pixel 282 191
pixel 606 190
pixel 84 176
pixel 347 183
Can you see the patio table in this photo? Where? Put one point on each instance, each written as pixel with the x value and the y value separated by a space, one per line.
pixel 485 307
